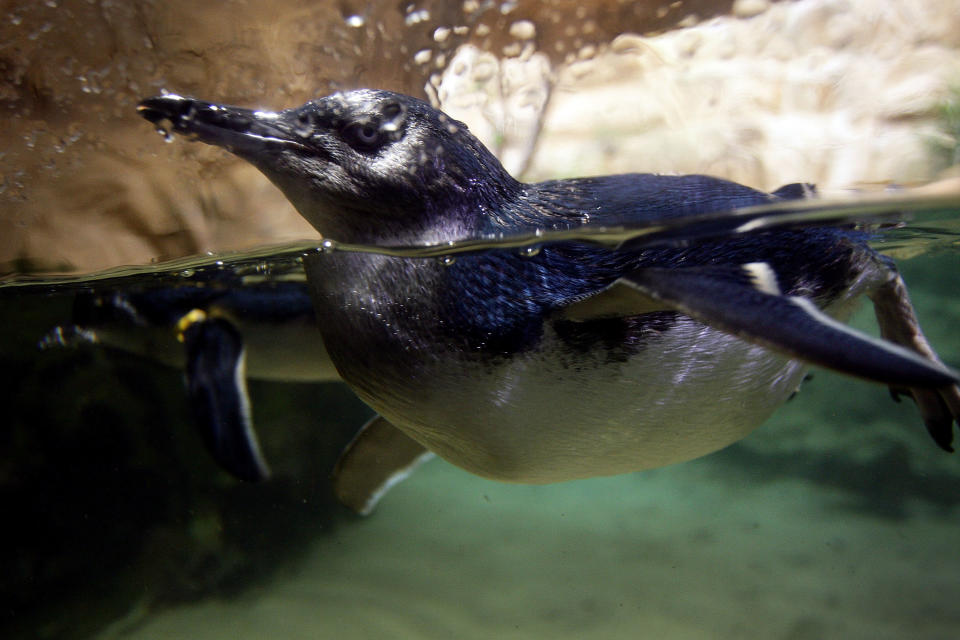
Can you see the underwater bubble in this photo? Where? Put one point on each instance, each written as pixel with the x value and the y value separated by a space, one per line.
pixel 446 260
pixel 328 246
pixel 188 273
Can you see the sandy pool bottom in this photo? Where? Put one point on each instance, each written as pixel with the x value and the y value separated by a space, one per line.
pixel 683 552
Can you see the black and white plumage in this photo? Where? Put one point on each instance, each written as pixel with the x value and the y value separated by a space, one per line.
pixel 572 360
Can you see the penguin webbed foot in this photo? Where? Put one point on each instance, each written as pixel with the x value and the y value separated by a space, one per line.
pixel 935 408
pixel 377 458
pixel 939 406
pixel 940 409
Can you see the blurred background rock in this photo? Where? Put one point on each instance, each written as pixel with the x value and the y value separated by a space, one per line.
pixel 839 92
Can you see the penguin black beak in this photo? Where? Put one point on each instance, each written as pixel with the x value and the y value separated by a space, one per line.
pixel 241 131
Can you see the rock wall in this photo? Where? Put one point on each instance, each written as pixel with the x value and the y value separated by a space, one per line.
pixel 839 92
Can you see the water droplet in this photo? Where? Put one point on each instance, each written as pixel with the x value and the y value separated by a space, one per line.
pixel 328 246
pixel 446 260
pixel 523 30
pixel 423 56
pixel 529 252
pixel 628 43
pixel 512 50
pixel 416 16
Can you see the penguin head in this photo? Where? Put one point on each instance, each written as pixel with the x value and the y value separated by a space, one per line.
pixel 362 165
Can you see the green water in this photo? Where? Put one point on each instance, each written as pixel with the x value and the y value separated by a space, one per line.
pixel 837 519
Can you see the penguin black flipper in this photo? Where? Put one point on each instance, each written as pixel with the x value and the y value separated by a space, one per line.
pixel 217 392
pixel 796 191
pixel 744 300
pixel 377 458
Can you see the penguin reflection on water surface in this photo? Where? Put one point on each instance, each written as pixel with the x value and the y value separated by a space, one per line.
pixel 575 360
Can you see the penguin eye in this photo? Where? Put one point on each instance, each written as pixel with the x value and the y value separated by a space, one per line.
pixel 363 136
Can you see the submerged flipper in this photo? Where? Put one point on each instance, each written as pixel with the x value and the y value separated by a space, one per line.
pixel 217 392
pixel 378 457
pixel 745 301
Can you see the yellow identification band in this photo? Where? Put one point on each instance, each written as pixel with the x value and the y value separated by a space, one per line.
pixel 196 315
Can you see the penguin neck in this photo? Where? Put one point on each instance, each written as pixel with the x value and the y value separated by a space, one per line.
pixel 457 212
pixel 557 204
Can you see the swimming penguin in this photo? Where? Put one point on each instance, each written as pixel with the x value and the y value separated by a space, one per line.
pixel 219 329
pixel 567 360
